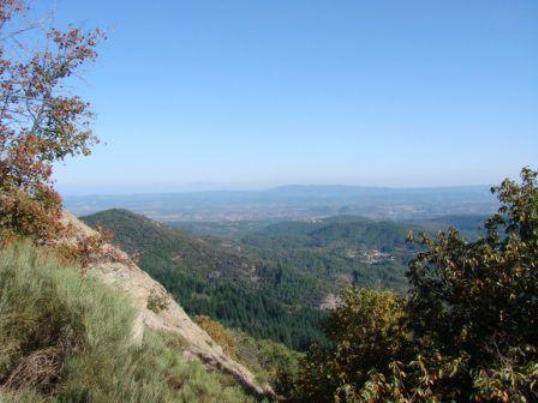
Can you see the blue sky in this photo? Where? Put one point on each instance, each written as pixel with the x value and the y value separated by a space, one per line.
pixel 251 94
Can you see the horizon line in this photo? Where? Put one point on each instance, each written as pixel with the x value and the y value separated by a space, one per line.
pixel 271 188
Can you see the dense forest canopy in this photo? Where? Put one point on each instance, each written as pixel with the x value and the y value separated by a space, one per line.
pixel 241 291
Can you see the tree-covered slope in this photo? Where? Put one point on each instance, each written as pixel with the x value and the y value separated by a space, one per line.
pixel 206 278
pixel 471 226
pixel 342 250
pixel 271 283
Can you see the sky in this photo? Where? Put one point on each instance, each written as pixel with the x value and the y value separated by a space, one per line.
pixel 252 94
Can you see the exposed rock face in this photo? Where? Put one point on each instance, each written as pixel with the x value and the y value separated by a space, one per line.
pixel 128 278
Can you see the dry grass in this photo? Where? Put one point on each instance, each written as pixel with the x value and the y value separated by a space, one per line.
pixel 41 370
pixel 67 337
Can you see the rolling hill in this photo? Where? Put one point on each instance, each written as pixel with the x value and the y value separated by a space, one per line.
pixel 239 290
pixel 273 281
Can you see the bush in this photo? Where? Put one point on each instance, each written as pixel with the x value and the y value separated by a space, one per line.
pixel 467 331
pixel 41 123
pixel 270 362
pixel 66 337
pixel 366 335
pixel 157 301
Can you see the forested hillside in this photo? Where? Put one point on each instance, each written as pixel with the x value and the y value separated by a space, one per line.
pixel 342 250
pixel 240 291
pixel 274 281
pixel 469 225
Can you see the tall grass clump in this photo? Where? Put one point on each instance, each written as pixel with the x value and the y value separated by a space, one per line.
pixel 66 337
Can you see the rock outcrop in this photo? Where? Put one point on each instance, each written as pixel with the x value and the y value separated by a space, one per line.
pixel 126 277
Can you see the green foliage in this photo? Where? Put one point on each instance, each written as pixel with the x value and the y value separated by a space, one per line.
pixel 467 330
pixel 272 283
pixel 65 337
pixel 241 291
pixel 335 250
pixel 365 331
pixel 470 226
pixel 270 362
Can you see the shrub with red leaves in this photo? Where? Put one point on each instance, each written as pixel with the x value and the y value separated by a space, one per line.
pixel 40 123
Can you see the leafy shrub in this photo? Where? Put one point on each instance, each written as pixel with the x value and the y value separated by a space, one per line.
pixel 40 122
pixel 365 331
pixel 218 333
pixel 466 332
pixel 271 362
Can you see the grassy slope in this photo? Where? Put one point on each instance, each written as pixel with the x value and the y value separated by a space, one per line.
pixel 66 338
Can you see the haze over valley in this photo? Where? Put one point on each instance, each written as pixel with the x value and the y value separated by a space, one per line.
pixel 296 203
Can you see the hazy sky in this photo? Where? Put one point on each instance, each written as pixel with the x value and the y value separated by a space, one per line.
pixel 258 93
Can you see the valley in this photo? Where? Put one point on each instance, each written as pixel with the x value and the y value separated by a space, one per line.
pixel 272 280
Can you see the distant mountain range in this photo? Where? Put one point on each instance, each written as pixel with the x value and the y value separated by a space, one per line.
pixel 296 202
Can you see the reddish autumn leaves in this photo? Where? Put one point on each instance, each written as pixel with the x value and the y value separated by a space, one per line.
pixel 40 122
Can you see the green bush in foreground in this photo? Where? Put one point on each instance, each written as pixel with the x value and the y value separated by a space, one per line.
pixel 467 331
pixel 66 338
